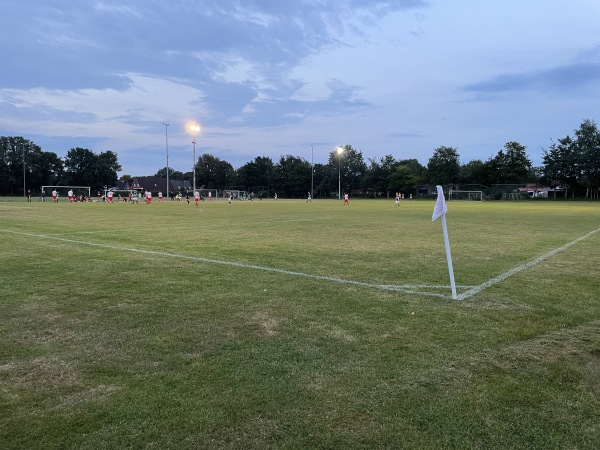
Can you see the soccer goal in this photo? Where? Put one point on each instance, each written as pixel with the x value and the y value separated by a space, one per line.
pixel 214 193
pixel 470 196
pixel 235 194
pixel 513 196
pixel 79 192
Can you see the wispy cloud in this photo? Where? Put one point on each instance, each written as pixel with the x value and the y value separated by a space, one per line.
pixel 262 75
pixel 566 78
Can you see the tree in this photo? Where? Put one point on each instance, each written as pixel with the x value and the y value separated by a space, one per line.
pixel 173 174
pixel 41 168
pixel 321 180
pixel 474 172
pixel 106 168
pixel 293 176
pixel 403 179
pixel 79 167
pixel 561 164
pixel 418 169
pixel 587 151
pixel 46 169
pixel 212 172
pixel 378 175
pixel 444 166
pixel 511 165
pixel 12 157
pixel 347 169
pixel 256 174
pixel 84 168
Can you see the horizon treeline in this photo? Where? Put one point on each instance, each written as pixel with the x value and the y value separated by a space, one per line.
pixel 571 163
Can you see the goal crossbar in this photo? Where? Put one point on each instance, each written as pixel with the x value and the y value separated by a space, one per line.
pixel 67 187
pixel 473 196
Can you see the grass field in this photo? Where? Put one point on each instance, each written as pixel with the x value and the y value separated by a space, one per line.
pixel 292 325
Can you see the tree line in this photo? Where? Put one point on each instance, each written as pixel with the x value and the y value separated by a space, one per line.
pixel 571 163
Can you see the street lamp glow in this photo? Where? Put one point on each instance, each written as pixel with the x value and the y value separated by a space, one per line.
pixel 339 151
pixel 193 129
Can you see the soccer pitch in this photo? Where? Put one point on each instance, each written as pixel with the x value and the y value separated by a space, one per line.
pixel 286 324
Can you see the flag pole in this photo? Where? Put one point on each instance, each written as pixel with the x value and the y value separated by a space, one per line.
pixel 440 210
pixel 449 256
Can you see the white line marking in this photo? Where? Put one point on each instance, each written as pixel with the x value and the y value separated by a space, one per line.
pixel 475 290
pixel 80 232
pixel 408 289
pixel 412 289
pixel 290 220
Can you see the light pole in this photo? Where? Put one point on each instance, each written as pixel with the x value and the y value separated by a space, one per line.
pixel 24 189
pixel 312 171
pixel 193 129
pixel 167 146
pixel 194 185
pixel 340 150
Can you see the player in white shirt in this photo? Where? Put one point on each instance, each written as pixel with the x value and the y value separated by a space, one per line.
pixel 196 198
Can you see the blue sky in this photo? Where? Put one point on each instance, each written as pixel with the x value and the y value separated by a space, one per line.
pixel 271 77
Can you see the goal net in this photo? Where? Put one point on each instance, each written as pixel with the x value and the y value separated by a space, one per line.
pixel 79 192
pixel 470 196
pixel 513 196
pixel 223 194
pixel 214 194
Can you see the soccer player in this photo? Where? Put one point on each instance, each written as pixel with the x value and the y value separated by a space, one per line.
pixel 397 198
pixel 54 196
pixel 309 198
pixel 346 200
pixel 209 196
pixel 148 197
pixel 109 196
pixel 159 197
pixel 196 198
pixel 70 195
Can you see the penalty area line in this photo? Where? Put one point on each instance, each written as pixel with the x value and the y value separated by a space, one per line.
pixel 408 289
pixel 477 289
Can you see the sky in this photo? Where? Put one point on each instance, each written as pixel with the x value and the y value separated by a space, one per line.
pixel 296 77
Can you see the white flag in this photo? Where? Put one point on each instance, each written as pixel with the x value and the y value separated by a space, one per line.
pixel 440 205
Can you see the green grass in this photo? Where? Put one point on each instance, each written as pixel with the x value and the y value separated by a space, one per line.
pixel 117 331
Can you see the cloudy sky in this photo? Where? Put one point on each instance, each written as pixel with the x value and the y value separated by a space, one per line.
pixel 273 77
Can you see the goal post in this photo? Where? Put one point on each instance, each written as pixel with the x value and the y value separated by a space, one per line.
pixel 214 193
pixel 470 196
pixel 63 190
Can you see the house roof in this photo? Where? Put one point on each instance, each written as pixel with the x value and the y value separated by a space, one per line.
pixel 180 185
pixel 150 183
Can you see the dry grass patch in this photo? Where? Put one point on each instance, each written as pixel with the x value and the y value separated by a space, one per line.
pixel 267 324
pixel 43 373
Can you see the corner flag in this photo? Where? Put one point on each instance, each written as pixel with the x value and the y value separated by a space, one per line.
pixel 440 205
pixel 440 210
